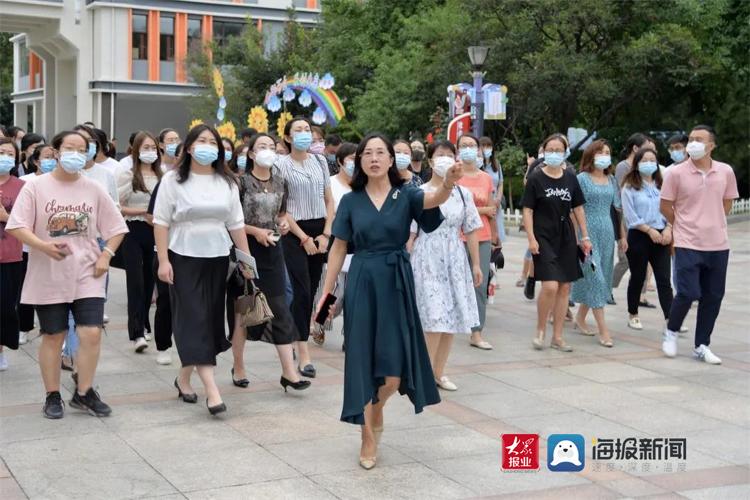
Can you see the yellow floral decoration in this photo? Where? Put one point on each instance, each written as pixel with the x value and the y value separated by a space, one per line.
pixel 227 130
pixel 258 119
pixel 195 123
pixel 218 82
pixel 284 118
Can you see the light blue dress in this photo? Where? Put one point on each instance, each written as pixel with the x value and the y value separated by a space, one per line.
pixel 595 288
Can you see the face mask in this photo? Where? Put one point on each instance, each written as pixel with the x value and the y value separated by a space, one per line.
pixel 91 152
pixel 647 167
pixel 265 158
pixel 567 153
pixel 171 149
pixel 349 167
pixel 553 159
pixel 317 148
pixel 148 157
pixel 602 162
pixel 227 156
pixel 468 155
pixel 242 163
pixel 48 165
pixel 301 141
pixel 417 155
pixel 402 161
pixel 442 164
pixel 696 150
pixel 6 164
pixel 487 153
pixel 331 158
pixel 205 154
pixel 72 162
pixel 678 155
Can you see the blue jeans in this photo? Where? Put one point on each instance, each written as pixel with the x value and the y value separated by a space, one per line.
pixel 699 275
pixel 70 347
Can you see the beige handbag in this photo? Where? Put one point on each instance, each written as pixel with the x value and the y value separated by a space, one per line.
pixel 253 307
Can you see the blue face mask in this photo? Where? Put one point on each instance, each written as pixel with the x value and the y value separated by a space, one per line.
pixel 227 156
pixel 48 165
pixel 468 155
pixel 554 159
pixel 487 153
pixel 349 167
pixel 242 162
pixel 647 167
pixel 171 149
pixel 602 162
pixel 567 153
pixel 6 164
pixel 91 152
pixel 403 161
pixel 301 141
pixel 72 162
pixel 331 158
pixel 205 154
pixel 678 155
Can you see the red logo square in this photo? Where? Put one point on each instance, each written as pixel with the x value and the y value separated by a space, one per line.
pixel 520 452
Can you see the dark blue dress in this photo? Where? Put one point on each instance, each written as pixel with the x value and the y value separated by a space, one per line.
pixel 384 336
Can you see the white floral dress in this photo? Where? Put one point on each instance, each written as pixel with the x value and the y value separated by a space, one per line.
pixel 442 276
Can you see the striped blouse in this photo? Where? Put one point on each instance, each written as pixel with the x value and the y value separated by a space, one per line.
pixel 307 184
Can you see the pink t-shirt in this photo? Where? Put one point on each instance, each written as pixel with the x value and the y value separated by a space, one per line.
pixel 699 219
pixel 10 248
pixel 482 187
pixel 65 212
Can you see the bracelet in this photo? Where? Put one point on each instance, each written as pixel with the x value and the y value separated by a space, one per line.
pixel 109 251
pixel 586 239
pixel 302 242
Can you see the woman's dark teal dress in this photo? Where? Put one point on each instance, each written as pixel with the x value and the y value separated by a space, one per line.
pixel 384 335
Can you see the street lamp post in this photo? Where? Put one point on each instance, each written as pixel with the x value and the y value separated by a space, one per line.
pixel 477 56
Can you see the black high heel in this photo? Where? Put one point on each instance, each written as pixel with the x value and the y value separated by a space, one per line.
pixel 215 410
pixel 243 382
pixel 297 386
pixel 187 398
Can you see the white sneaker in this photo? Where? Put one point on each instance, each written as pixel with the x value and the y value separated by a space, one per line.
pixel 703 353
pixel 683 330
pixel 23 338
pixel 164 358
pixel 140 345
pixel 148 337
pixel 3 362
pixel 635 323
pixel 446 384
pixel 106 319
pixel 669 343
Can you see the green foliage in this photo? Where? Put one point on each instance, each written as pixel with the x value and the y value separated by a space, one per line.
pixel 6 79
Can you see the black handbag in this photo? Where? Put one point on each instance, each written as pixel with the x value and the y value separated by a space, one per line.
pixel 498 258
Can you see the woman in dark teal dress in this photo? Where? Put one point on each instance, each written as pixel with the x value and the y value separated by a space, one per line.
pixel 385 346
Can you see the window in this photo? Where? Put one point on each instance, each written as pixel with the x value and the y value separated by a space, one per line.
pixel 166 48
pixel 223 29
pixel 140 46
pixel 194 33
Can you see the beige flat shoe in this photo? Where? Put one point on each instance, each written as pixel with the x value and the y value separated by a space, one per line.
pixel 484 345
pixel 582 329
pixel 561 347
pixel 538 341
pixel 367 463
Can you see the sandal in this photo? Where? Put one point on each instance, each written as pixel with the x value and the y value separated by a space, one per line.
pixel 561 347
pixel 582 329
pixel 482 344
pixel 318 335
pixel 606 343
pixel 538 341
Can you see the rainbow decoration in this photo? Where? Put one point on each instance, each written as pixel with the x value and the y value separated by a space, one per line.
pixel 310 86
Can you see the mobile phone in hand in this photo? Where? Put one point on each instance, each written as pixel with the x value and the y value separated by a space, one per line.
pixel 323 314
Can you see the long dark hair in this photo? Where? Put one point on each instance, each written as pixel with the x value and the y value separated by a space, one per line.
pixel 485 141
pixel 359 179
pixel 219 166
pixel 27 141
pixel 638 139
pixel 251 144
pixel 634 178
pixel 138 183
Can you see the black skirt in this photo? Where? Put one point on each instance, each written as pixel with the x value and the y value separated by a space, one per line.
pixel 197 300
pixel 557 259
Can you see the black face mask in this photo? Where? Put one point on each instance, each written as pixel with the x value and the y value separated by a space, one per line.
pixel 417 155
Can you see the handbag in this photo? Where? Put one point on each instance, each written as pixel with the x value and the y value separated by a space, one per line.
pixel 252 306
pixel 498 258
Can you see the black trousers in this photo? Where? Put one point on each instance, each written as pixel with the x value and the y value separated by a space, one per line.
pixel 641 252
pixel 163 315
pixel 304 273
pixel 25 311
pixel 138 255
pixel 11 275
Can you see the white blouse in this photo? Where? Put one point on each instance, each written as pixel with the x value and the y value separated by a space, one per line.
pixel 198 213
pixel 135 199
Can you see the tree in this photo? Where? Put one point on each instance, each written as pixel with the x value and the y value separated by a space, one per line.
pixel 6 79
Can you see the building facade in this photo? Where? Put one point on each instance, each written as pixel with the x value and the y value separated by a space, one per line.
pixel 120 63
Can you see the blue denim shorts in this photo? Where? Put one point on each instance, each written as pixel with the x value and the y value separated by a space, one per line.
pixel 53 318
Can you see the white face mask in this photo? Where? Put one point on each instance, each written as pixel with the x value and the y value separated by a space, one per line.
pixel 696 150
pixel 147 157
pixel 265 158
pixel 441 165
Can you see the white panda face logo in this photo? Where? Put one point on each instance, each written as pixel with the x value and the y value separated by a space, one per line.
pixel 565 452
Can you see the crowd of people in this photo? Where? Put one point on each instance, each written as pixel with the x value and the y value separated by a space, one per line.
pixel 403 238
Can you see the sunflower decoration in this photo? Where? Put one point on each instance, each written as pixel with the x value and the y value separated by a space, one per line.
pixel 284 118
pixel 195 123
pixel 218 82
pixel 227 130
pixel 258 119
